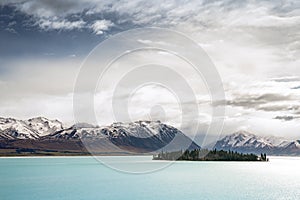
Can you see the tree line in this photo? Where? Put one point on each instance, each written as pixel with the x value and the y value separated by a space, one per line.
pixel 209 155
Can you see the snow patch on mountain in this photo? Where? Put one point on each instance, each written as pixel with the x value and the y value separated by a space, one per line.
pixel 34 128
pixel 247 142
pixel 138 129
pixel 247 139
pixel 44 126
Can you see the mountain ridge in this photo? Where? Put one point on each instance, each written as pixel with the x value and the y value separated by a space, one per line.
pixel 144 136
pixel 246 142
pixel 139 137
pixel 33 128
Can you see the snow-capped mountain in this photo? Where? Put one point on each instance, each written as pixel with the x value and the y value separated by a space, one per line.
pixel 146 135
pixel 33 128
pixel 44 126
pixel 141 129
pixel 246 142
pixel 141 136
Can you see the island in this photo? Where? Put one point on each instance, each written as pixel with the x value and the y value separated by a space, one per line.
pixel 209 155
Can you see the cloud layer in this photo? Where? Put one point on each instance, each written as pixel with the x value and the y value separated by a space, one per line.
pixel 254 45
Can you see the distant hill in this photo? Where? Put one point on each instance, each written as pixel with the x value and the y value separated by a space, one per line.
pixel 246 142
pixel 44 136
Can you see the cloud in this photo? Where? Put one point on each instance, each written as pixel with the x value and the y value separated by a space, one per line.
pixel 268 97
pixel 11 30
pixel 199 14
pixel 48 8
pixel 56 24
pixel 295 88
pixel 51 76
pixel 13 23
pixel 244 39
pixel 52 106
pixel 286 79
pixel 281 106
pixel 284 118
pixel 99 26
pixel 254 100
pixel 267 103
pixel 57 15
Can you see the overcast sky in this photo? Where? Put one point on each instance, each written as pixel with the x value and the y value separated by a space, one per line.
pixel 255 46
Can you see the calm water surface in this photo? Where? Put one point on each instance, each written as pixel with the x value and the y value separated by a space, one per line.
pixel 84 178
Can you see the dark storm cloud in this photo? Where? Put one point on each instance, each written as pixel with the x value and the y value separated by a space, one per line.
pixel 285 107
pixel 286 118
pixel 21 36
pixel 286 79
pixel 253 100
pixel 42 7
pixel 296 88
pixel 83 24
pixel 169 13
pixel 269 102
pixel 43 28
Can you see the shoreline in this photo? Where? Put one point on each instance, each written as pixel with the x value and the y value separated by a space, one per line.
pixel 72 155
pixel 128 155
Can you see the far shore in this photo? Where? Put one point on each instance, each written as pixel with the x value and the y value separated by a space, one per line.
pixel 57 154
pixel 103 154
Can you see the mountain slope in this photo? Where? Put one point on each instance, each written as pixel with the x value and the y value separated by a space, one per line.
pixel 138 137
pixel 33 128
pixel 44 126
pixel 143 136
pixel 246 142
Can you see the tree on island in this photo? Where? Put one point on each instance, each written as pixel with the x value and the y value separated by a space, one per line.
pixel 209 155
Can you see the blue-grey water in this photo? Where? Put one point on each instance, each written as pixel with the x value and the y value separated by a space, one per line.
pixel 84 178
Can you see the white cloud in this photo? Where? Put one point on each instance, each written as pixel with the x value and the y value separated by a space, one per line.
pixel 99 26
pixel 57 24
pixel 11 30
pixel 52 106
pixel 249 42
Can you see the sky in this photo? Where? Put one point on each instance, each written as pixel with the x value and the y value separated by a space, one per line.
pixel 254 45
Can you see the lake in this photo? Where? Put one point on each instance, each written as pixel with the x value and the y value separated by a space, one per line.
pixel 39 178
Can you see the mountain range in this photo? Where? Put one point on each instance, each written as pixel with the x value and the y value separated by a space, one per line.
pixel 43 136
pixel 246 142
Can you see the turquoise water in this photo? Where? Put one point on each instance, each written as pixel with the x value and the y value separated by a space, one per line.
pixel 84 178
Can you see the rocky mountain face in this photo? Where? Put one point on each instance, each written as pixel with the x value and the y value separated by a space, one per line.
pixel 246 142
pixel 33 128
pixel 50 135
